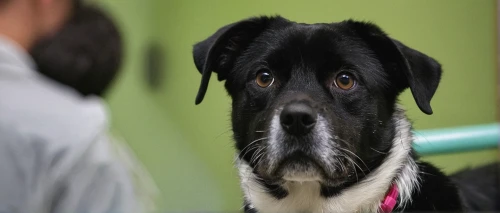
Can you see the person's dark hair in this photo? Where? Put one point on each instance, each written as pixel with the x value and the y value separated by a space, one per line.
pixel 3 3
pixel 85 54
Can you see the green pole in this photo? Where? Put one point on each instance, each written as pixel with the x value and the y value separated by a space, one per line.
pixel 457 139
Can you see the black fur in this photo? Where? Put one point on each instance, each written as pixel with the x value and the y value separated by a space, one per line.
pixel 480 187
pixel 304 60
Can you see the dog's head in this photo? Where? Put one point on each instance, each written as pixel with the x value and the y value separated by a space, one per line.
pixel 313 102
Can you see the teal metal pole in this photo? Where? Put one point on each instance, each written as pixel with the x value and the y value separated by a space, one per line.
pixel 457 139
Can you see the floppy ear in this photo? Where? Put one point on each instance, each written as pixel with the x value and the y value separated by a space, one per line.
pixel 410 67
pixel 218 52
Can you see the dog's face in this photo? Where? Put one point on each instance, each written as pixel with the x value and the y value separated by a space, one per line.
pixel 313 102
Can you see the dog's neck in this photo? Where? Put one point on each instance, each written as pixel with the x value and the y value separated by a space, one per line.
pixel 365 196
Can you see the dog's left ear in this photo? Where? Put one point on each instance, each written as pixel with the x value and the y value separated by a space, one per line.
pixel 410 67
pixel 218 52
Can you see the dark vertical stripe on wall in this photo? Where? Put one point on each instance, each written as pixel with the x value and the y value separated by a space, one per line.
pixel 497 22
pixel 497 41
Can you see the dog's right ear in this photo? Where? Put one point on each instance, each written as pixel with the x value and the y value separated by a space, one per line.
pixel 410 67
pixel 218 52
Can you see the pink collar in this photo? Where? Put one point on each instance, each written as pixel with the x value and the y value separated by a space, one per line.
pixel 390 199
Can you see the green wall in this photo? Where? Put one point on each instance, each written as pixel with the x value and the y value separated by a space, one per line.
pixel 164 148
pixel 188 149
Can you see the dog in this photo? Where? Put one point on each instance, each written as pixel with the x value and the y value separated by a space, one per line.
pixel 315 116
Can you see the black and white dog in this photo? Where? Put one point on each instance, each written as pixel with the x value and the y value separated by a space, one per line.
pixel 315 116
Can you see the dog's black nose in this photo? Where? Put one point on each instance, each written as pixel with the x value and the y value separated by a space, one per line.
pixel 298 118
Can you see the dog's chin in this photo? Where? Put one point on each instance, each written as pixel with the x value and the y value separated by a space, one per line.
pixel 301 172
pixel 307 170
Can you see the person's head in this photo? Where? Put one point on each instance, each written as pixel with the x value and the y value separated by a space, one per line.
pixel 85 54
pixel 26 21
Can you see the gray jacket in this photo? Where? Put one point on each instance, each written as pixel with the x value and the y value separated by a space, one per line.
pixel 54 149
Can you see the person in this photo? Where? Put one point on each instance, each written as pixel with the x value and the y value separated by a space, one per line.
pixel 55 149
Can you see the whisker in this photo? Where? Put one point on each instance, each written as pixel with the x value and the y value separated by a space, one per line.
pixel 353 162
pixel 221 134
pixel 259 161
pixel 256 154
pixel 341 164
pixel 355 156
pixel 255 141
pixel 384 153
pixel 242 155
pixel 259 157
pixel 355 172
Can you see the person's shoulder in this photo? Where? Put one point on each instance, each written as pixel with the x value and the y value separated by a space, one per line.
pixel 43 108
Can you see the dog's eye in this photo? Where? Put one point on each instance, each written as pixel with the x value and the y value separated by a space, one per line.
pixel 345 81
pixel 264 79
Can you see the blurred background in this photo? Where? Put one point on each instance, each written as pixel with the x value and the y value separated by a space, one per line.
pixel 188 149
